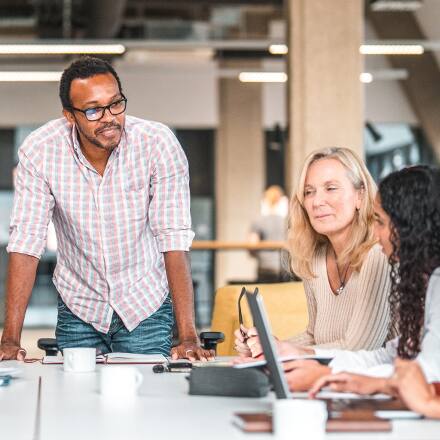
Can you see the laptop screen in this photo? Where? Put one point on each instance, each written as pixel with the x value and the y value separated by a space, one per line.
pixel 262 325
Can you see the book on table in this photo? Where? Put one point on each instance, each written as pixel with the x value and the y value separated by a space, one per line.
pixel 115 358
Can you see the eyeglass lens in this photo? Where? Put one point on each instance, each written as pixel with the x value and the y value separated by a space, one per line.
pixel 118 107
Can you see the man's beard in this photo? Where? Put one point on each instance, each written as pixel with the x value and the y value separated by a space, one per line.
pixel 95 141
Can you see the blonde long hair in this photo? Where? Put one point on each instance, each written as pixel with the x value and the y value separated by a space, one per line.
pixel 304 241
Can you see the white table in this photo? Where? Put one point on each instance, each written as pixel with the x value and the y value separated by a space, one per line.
pixel 72 409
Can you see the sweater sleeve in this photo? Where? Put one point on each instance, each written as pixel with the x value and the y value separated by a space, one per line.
pixel 368 323
pixel 306 337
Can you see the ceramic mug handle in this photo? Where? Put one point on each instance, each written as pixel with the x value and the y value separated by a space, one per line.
pixel 139 378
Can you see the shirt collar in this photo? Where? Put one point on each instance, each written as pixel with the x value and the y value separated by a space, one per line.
pixel 75 141
pixel 77 147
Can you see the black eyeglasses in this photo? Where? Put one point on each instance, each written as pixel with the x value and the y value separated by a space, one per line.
pixel 240 314
pixel 96 113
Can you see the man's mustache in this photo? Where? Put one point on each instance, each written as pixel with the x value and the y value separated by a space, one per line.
pixel 107 126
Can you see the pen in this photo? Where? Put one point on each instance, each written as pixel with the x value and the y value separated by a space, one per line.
pixel 240 315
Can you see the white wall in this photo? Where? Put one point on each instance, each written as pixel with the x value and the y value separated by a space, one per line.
pixel 28 103
pixel 181 95
pixel 177 94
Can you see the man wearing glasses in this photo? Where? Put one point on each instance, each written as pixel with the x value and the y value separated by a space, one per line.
pixel 116 188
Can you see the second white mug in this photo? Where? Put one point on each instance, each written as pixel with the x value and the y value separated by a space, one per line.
pixel 299 418
pixel 120 381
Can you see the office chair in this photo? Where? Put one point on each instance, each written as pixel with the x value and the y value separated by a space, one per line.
pixel 208 340
pixel 285 303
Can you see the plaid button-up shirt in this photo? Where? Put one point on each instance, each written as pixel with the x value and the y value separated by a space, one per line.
pixel 111 229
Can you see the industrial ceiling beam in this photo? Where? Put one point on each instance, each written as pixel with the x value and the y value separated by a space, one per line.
pixel 423 84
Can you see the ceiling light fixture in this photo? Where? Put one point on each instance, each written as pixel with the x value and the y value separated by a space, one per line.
pixel 10 76
pixel 275 77
pixel 278 49
pixel 366 77
pixel 396 5
pixel 61 49
pixel 391 49
pixel 384 75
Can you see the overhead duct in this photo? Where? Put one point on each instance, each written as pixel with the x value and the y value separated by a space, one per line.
pixel 103 20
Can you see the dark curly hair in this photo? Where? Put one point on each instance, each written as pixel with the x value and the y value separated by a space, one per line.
pixel 411 197
pixel 84 67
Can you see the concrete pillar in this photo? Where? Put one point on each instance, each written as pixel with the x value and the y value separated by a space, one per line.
pixel 325 98
pixel 239 171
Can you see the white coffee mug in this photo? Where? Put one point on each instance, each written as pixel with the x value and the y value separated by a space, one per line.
pixel 79 359
pixel 299 418
pixel 120 381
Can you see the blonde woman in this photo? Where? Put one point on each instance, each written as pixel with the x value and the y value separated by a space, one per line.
pixel 333 250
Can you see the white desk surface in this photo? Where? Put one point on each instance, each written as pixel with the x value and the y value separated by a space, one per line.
pixel 72 409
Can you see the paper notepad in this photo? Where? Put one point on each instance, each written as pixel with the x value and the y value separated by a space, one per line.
pixel 262 363
pixel 133 358
pixel 115 358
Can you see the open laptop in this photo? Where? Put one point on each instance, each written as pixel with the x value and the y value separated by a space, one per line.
pixel 262 325
pixel 281 388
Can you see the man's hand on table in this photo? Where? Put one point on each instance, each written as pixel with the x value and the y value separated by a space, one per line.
pixel 11 351
pixel 191 350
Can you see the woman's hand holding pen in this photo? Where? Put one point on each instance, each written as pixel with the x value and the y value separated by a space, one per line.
pixel 247 343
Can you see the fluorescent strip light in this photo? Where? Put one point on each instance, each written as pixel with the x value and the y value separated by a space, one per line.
pixel 391 49
pixel 59 49
pixel 366 77
pixel 396 5
pixel 30 76
pixel 278 49
pixel 384 75
pixel 141 56
pixel 262 77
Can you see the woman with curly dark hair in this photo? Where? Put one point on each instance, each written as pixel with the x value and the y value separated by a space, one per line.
pixel 411 199
pixel 407 212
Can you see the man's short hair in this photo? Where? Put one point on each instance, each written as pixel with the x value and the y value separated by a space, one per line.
pixel 84 67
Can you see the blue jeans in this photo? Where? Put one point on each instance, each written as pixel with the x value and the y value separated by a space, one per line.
pixel 153 335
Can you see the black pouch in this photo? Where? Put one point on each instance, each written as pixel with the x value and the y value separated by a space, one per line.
pixel 228 381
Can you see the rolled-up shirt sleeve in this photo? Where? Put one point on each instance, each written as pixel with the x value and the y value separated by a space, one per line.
pixel 429 356
pixel 377 362
pixel 32 210
pixel 169 211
